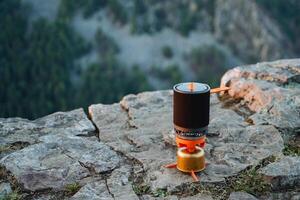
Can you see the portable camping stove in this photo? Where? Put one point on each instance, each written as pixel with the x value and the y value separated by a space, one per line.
pixel 191 118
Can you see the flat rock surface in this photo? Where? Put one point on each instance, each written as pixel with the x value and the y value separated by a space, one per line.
pixel 62 155
pixel 59 161
pixel 14 130
pixel 115 187
pixel 119 153
pixel 140 127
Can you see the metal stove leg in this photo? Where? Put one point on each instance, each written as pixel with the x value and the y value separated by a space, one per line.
pixel 194 176
pixel 172 165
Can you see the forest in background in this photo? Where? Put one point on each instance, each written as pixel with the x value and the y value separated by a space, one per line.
pixel 38 72
pixel 38 69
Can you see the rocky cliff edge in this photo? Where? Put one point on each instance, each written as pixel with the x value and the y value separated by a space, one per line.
pixel 117 151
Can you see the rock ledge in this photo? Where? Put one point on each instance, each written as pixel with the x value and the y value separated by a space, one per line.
pixel 122 157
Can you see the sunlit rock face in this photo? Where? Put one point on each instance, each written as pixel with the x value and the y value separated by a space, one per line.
pixel 118 151
pixel 271 90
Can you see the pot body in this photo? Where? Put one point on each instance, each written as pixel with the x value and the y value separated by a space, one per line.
pixel 191 110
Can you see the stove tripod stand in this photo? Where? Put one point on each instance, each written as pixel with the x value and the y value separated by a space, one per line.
pixel 194 176
pixel 174 165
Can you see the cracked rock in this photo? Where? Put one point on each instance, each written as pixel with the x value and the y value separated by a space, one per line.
pixel 117 186
pixel 236 146
pixel 284 173
pixel 22 130
pixel 60 157
pixel 136 139
pixel 59 161
pixel 271 90
pixel 94 190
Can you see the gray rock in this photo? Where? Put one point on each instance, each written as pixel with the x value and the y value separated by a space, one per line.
pixel 59 161
pixel 149 197
pixel 117 187
pixel 63 155
pixel 14 130
pixel 173 197
pixel 271 90
pixel 140 127
pixel 137 139
pixel 5 189
pixel 284 173
pixel 282 196
pixel 241 195
pixel 281 71
pixel 136 131
pixel 44 197
pixel 198 196
pixel 93 191
pixel 235 144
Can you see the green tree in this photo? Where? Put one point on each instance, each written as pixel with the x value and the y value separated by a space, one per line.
pixel 105 45
pixel 167 52
pixel 68 8
pixel 35 64
pixel 108 82
pixel 170 74
pixel 286 13
pixel 12 57
pixel 38 67
pixel 208 63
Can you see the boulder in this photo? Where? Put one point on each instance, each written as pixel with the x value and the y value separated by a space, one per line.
pixel 14 130
pixel 284 173
pixel 271 90
pixel 59 161
pixel 63 155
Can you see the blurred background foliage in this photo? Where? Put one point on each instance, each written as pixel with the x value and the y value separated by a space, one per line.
pixel 37 68
pixel 286 13
pixel 39 72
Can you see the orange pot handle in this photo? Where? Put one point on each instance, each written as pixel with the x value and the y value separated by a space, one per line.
pixel 220 89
